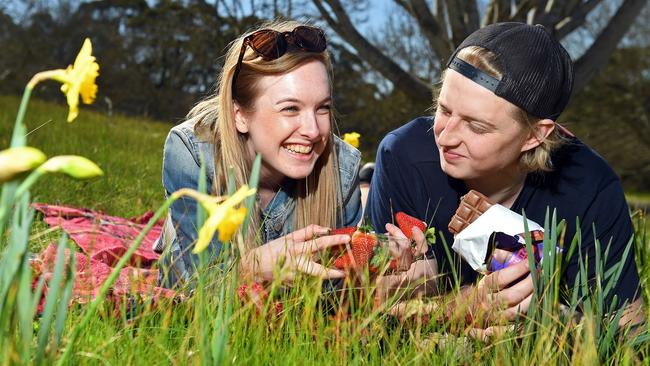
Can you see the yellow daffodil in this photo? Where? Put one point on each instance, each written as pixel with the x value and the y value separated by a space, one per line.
pixel 230 224
pixel 17 160
pixel 352 138
pixel 80 79
pixel 75 166
pixel 77 79
pixel 222 216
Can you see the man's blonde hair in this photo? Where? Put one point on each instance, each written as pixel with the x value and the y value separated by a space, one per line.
pixel 536 159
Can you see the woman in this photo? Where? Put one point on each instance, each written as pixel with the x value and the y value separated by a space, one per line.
pixel 494 131
pixel 273 98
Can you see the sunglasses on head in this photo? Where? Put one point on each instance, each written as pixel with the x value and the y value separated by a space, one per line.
pixel 271 45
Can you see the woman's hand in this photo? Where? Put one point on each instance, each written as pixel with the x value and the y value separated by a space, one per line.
pixel 291 255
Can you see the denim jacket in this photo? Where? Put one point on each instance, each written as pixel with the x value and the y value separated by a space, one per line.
pixel 181 169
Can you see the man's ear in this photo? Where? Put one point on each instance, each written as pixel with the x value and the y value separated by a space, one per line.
pixel 538 134
pixel 241 122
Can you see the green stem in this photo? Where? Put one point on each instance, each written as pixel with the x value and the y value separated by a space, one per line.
pixel 20 190
pixel 18 138
pixel 109 281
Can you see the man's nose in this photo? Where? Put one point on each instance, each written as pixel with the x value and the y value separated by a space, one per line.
pixel 449 132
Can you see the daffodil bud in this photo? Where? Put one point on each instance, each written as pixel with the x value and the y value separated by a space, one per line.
pixel 17 160
pixel 77 167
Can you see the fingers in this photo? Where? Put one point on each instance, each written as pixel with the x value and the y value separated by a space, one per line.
pixel 306 266
pixel 421 245
pixel 394 231
pixel 389 284
pixel 513 312
pixel 490 333
pixel 323 242
pixel 504 277
pixel 513 295
pixel 307 233
pixel 399 247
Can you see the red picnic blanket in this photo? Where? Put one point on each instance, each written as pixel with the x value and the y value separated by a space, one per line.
pixel 103 239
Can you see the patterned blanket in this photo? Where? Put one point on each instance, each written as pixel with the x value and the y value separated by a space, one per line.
pixel 103 239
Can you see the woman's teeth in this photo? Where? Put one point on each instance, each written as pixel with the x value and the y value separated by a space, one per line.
pixel 299 149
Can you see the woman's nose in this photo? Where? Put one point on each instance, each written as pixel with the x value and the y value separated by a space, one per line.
pixel 309 125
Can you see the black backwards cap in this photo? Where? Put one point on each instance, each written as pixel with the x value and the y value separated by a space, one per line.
pixel 537 70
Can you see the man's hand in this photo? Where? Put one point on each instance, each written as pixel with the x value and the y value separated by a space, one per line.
pixel 499 297
pixel 420 278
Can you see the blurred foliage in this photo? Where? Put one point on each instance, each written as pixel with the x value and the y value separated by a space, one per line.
pixel 612 114
pixel 158 58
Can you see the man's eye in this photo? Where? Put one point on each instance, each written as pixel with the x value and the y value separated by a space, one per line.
pixel 476 128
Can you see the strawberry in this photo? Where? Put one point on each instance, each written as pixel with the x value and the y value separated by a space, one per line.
pixel 361 250
pixel 363 242
pixel 406 223
pixel 256 294
pixel 344 261
pixel 344 231
pixel 337 250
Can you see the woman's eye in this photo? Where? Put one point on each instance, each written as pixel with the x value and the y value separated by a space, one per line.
pixel 324 108
pixel 291 108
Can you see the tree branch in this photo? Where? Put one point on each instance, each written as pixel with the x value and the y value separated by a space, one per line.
pixel 522 8
pixel 497 11
pixel 430 25
pixel 432 30
pixel 576 19
pixel 598 54
pixel 401 79
pixel 473 21
pixel 455 14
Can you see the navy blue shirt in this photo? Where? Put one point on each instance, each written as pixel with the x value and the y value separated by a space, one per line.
pixel 582 185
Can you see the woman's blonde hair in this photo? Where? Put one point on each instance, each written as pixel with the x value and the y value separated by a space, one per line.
pixel 317 196
pixel 536 159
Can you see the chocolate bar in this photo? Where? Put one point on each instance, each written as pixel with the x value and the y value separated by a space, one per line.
pixel 472 205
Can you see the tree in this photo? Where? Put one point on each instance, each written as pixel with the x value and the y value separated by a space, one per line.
pixel 447 23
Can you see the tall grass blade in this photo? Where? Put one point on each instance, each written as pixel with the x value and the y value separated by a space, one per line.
pixel 23 309
pixel 62 312
pixel 51 300
pixel 253 181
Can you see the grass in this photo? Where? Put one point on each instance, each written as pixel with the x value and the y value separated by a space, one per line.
pixel 129 150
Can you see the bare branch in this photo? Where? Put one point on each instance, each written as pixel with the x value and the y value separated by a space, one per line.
pixel 497 10
pixel 440 11
pixel 432 30
pixel 576 19
pixel 392 71
pixel 473 21
pixel 597 55
pixel 455 13
pixel 522 9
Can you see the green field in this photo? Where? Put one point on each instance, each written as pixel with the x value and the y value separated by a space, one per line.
pixel 129 151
